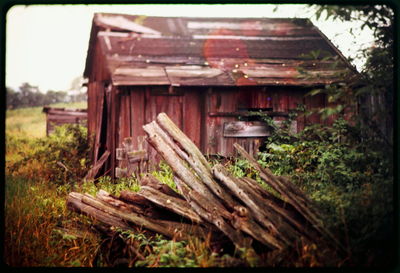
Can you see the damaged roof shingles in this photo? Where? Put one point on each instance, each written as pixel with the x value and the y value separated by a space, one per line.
pixel 215 51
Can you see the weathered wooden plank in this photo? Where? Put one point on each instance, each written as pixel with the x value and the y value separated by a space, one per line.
pixel 96 167
pixel 115 108
pixel 212 215
pixel 124 116
pixel 246 129
pixel 100 101
pixel 202 171
pixel 134 198
pixel 167 124
pixel 296 98
pixel 74 203
pixel 177 164
pixel 192 119
pixel 249 226
pixel 65 120
pixel 128 144
pixel 264 215
pixel 119 204
pixel 268 201
pixel 179 231
pixel 150 181
pixel 120 154
pixel 171 203
pixel 293 196
pixel 136 156
pixel 67 112
pixel 137 111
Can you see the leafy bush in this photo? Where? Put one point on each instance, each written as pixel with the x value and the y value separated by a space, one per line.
pixel 346 172
pixel 59 158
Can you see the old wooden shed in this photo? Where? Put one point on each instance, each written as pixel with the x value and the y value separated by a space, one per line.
pixel 56 116
pixel 204 73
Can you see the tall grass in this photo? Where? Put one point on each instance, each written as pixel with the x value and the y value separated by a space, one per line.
pixel 35 208
pixel 41 231
pixel 34 212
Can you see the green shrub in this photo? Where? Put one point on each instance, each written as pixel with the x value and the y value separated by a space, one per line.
pixel 346 172
pixel 60 158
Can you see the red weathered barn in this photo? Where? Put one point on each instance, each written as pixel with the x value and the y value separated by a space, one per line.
pixel 204 73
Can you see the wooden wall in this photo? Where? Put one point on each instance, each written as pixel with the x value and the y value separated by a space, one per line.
pixel 141 105
pixel 122 111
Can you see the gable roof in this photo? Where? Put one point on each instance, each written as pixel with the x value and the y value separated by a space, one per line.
pixel 183 51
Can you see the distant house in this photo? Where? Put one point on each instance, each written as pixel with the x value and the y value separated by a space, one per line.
pixel 60 116
pixel 204 73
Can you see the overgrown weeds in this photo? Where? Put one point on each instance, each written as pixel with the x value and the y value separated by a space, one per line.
pixel 348 176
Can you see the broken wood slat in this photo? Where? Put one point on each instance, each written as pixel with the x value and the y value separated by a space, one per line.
pixel 134 198
pixel 173 204
pixel 275 183
pixel 150 181
pixel 281 186
pixel 151 210
pixel 135 160
pixel 287 190
pixel 99 126
pixel 95 169
pixel 249 226
pixel 128 144
pixel 119 204
pixel 67 113
pixel 167 124
pixel 284 209
pixel 213 217
pixel 198 168
pixel 74 203
pixel 263 214
pixel 179 231
pixel 120 154
pixel 136 156
pixel 64 119
pixel 246 129
pixel 177 164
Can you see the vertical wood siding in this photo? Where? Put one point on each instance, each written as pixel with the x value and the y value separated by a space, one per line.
pixel 127 109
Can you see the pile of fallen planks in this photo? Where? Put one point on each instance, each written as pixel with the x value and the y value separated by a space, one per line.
pixel 210 199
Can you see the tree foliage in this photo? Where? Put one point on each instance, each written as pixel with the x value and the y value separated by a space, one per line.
pixel 347 168
pixel 374 88
pixel 29 96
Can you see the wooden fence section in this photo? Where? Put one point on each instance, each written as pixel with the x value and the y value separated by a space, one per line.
pixel 60 116
pixel 209 199
pixel 131 161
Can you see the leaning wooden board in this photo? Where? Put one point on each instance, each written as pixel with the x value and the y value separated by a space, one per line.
pixel 211 199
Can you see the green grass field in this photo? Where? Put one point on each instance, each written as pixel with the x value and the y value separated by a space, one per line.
pixel 31 122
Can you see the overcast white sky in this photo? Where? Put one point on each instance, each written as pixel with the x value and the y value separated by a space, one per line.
pixel 46 45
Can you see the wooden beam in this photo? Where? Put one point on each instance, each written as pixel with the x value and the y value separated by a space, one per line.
pixel 95 169
pixel 136 156
pixel 246 129
pixel 176 205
